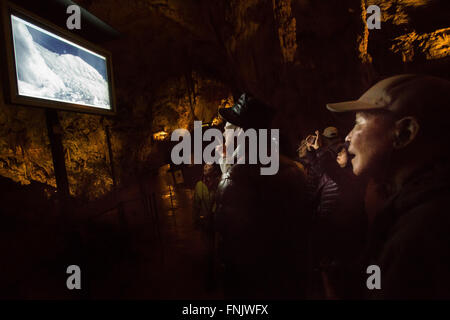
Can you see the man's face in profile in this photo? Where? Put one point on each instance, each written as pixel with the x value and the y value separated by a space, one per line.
pixel 370 142
pixel 342 158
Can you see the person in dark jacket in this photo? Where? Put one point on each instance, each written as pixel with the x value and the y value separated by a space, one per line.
pixel 316 147
pixel 345 225
pixel 400 139
pixel 339 225
pixel 262 220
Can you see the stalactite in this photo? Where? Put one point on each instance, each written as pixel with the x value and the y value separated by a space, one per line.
pixel 363 39
pixel 286 25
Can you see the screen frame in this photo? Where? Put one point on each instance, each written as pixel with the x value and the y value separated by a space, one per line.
pixel 14 96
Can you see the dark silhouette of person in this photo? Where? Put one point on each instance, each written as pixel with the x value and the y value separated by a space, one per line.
pixel 339 225
pixel 262 219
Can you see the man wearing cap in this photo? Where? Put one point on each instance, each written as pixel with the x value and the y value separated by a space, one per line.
pixel 262 219
pixel 400 139
pixel 330 135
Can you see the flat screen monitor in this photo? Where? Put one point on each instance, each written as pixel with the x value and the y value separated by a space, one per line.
pixel 50 67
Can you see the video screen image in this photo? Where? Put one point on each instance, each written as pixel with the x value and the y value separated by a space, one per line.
pixel 50 67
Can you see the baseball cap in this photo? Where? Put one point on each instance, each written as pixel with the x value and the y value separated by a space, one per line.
pixel 401 94
pixel 330 132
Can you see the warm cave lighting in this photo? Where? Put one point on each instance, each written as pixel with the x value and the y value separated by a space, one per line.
pixel 160 136
pixel 216 121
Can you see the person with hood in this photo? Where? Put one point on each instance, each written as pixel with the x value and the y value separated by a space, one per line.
pixel 204 196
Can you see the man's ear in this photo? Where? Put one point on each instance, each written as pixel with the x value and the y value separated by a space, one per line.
pixel 406 130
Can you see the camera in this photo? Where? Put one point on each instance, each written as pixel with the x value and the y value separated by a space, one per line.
pixel 311 139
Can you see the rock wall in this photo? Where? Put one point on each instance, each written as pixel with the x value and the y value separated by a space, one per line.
pixel 24 151
pixel 414 37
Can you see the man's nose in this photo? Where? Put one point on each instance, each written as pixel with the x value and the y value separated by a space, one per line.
pixel 348 138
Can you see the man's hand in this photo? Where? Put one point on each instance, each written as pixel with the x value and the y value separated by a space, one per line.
pixel 317 143
pixel 313 141
pixel 310 141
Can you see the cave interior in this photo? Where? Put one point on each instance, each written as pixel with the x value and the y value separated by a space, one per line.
pixel 126 220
